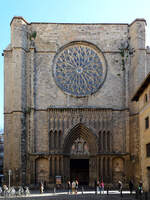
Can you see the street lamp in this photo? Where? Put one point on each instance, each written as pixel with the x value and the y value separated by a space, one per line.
pixel 9 174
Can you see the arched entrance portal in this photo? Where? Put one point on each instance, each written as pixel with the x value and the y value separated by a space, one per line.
pixel 80 148
pixel 79 161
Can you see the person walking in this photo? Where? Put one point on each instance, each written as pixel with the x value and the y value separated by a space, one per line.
pixel 130 186
pixel 69 187
pixel 120 186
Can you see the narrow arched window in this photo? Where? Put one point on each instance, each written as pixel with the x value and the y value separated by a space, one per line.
pixel 148 150
pixel 104 141
pixel 108 141
pixel 146 122
pixel 50 139
pixel 55 138
pixel 59 139
pixel 145 98
pixel 100 141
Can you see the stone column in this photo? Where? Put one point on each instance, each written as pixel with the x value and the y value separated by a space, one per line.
pixel 97 166
pixel 53 166
pixel 104 167
pixel 127 131
pixel 52 140
pixel 50 166
pixel 102 146
pixel 34 175
pixel 32 147
pixel 104 120
pixel 110 168
pixel 56 139
pixel 49 138
pixel 57 165
pixel 101 166
pixel 62 166
pixel 106 141
pixel 64 122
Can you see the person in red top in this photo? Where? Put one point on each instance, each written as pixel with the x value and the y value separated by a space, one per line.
pixel 102 186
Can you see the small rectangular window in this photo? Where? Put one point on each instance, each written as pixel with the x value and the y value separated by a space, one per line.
pixel 146 122
pixel 148 150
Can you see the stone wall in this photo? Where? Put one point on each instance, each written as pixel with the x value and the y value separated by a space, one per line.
pixel 144 107
pixel 106 37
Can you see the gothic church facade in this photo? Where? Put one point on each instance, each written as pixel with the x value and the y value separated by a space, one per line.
pixel 68 109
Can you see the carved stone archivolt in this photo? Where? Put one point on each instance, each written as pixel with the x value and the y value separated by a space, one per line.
pixel 75 134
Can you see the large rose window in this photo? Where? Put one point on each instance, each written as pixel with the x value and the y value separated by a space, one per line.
pixel 79 70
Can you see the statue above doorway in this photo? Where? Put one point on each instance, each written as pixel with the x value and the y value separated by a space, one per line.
pixel 80 147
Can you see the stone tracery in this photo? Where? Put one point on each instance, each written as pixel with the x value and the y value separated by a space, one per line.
pixel 78 70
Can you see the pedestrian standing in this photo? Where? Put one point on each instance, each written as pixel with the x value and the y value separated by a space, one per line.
pixel 140 188
pixel 77 185
pixel 69 187
pixel 102 186
pixel 97 186
pixel 41 187
pixel 130 186
pixel 73 187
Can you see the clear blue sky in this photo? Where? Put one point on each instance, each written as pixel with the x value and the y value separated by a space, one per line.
pixel 88 11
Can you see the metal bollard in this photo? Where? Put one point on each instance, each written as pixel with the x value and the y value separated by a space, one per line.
pixel 54 189
pixel 82 189
pixel 107 191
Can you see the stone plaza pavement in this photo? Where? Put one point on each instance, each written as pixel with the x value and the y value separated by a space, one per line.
pixel 88 195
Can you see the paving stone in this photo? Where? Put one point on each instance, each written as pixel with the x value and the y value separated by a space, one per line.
pixel 73 197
